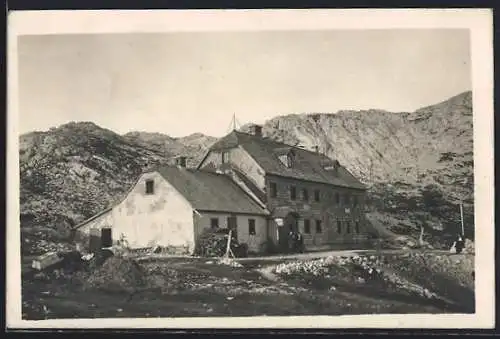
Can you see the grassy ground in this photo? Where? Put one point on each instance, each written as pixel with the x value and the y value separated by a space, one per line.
pixel 179 287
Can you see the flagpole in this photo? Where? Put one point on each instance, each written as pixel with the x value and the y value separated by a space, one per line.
pixel 462 218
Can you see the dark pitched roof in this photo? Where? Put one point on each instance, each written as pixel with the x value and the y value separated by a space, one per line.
pixel 307 165
pixel 92 218
pixel 209 191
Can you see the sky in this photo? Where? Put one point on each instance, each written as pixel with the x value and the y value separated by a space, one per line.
pixel 182 83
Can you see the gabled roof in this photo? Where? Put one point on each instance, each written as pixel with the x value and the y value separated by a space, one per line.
pixel 307 165
pixel 92 218
pixel 209 191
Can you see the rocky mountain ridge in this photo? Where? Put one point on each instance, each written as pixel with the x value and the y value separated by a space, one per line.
pixel 418 165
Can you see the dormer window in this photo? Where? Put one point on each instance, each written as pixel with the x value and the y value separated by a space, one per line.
pixel 287 159
pixel 286 155
pixel 331 165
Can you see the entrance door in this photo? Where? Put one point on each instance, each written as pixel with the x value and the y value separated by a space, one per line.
pixel 233 226
pixel 290 224
pixel 106 239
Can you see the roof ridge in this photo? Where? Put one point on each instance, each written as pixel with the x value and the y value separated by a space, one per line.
pixel 267 139
pixel 282 143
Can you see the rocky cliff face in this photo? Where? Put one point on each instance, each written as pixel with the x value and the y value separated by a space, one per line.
pixel 431 145
pixel 418 165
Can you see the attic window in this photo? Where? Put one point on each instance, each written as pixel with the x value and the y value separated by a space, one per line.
pixel 287 159
pixel 150 187
pixel 331 165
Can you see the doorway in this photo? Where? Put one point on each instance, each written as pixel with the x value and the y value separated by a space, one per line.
pixel 106 238
pixel 290 224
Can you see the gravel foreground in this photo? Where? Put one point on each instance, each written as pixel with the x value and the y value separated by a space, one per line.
pixel 190 287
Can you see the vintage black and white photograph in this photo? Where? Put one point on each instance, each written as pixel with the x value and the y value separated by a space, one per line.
pixel 250 172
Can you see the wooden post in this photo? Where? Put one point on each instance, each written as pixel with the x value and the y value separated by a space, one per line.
pixel 228 248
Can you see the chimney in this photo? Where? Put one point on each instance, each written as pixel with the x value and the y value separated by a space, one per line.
pixel 181 161
pixel 257 130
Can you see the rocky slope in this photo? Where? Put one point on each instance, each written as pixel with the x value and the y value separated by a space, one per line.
pixel 418 165
pixel 71 172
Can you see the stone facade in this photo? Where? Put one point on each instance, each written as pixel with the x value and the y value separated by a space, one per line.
pixel 316 205
pixel 327 215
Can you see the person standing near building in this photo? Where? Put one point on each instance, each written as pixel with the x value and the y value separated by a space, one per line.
pixel 300 243
pixel 291 242
pixel 459 245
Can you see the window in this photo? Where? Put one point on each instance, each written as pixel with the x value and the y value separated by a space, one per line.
pixel 339 226
pixel 293 193
pixel 347 200
pixel 273 189
pixel 307 226
pixel 319 227
pixel 355 201
pixel 214 223
pixel 316 195
pixel 348 227
pixel 251 226
pixel 150 187
pixel 357 227
pixel 337 198
pixel 305 194
pixel 287 159
pixel 225 157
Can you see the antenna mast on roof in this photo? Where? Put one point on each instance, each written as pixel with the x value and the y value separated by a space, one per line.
pixel 234 124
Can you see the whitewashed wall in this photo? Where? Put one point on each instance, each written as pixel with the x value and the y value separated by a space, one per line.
pixel 164 218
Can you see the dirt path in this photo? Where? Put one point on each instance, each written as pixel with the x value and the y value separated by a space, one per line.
pixel 323 254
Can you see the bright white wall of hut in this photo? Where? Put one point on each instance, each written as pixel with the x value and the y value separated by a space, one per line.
pixel 164 218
